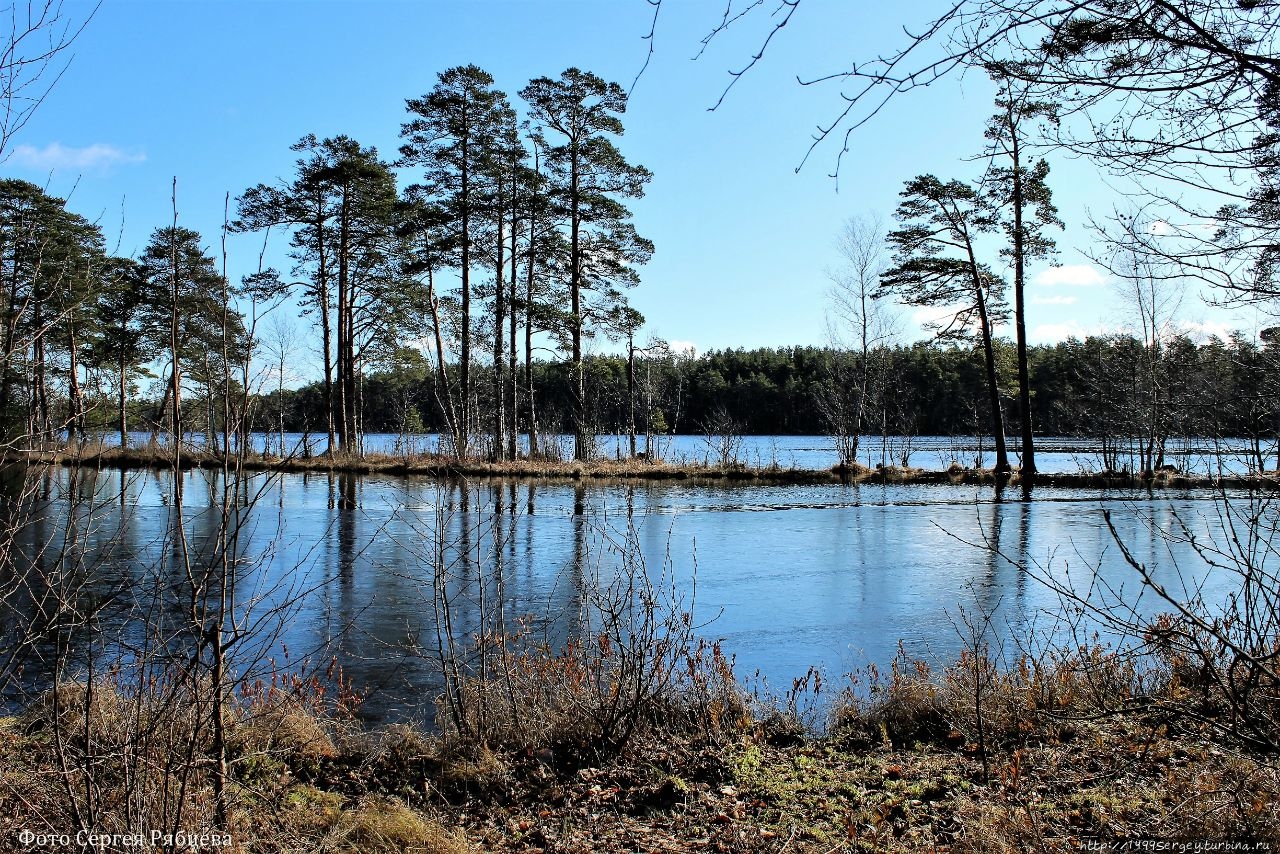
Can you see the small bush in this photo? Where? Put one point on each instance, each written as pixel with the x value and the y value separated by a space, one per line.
pixel 589 699
pixel 975 700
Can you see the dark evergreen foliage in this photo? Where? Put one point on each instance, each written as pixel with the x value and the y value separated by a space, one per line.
pixel 1091 388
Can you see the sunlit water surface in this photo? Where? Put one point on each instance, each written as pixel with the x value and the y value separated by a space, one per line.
pixel 788 577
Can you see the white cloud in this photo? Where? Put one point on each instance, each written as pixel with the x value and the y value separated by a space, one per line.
pixel 1202 330
pixel 1052 333
pixel 1071 276
pixel 55 155
pixel 1056 299
pixel 685 347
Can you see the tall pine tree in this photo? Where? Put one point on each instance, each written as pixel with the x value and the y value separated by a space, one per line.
pixel 936 264
pixel 452 136
pixel 588 178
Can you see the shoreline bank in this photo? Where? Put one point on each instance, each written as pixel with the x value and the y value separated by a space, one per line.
pixel 1042 761
pixel 437 466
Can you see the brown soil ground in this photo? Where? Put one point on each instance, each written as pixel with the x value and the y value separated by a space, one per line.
pixel 768 788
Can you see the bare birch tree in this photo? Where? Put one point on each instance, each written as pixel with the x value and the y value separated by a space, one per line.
pixel 859 323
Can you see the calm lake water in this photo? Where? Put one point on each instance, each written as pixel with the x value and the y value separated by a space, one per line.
pixel 787 577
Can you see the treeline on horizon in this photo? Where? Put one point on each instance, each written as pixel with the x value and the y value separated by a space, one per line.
pixel 1110 389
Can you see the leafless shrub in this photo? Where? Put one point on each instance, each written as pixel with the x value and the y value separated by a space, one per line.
pixel 722 435
pixel 634 662
pixel 1214 663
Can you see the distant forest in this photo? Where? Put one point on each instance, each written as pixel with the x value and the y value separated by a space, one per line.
pixel 1103 388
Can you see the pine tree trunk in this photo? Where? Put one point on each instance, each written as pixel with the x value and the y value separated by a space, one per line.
pixel 343 378
pixel 123 404
pixel 1028 473
pixel 75 398
pixel 442 374
pixel 464 369
pixel 512 385
pixel 43 427
pixel 581 446
pixel 499 322
pixel 326 327
pixel 10 341
pixel 997 418
pixel 631 392
pixel 531 414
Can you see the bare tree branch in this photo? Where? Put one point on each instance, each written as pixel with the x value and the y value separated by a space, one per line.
pixel 31 61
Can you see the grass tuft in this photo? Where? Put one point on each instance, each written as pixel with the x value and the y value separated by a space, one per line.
pixel 380 825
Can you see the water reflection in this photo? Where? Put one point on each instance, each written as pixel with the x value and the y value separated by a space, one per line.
pixel 354 569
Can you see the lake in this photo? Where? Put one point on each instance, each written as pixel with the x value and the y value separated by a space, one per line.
pixel 340 567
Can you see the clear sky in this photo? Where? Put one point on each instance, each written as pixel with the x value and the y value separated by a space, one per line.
pixel 214 93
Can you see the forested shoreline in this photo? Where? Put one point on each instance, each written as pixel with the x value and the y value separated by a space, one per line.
pixel 1113 390
pixel 1096 387
pixel 1107 389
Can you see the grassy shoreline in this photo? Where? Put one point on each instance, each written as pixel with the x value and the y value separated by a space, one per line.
pixel 1048 760
pixel 432 465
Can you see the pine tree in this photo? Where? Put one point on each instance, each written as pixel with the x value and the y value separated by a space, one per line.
pixel 183 310
pixel 340 207
pixel 1019 188
pixel 50 260
pixel 936 264
pixel 122 344
pixel 452 137
pixel 588 177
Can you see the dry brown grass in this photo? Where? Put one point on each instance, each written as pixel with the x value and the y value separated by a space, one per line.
pixel 378 824
pixel 288 729
pixel 976 698
pixel 900 771
pixel 158 457
pixel 96 455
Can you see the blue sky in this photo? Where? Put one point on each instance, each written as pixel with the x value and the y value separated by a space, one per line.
pixel 214 93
